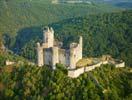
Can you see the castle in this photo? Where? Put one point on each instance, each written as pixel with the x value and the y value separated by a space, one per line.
pixel 50 52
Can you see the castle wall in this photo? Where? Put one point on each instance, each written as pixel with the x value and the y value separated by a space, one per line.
pixel 40 55
pixel 67 58
pixel 72 59
pixel 105 62
pixel 62 56
pixel 120 65
pixel 75 53
pixel 50 54
pixel 75 73
pixel 55 56
pixel 78 54
pixel 48 37
pixel 9 62
pixel 47 56
pixel 117 64
pixel 89 68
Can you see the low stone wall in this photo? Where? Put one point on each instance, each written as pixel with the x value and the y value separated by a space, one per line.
pixel 98 65
pixel 75 73
pixel 9 62
pixel 120 65
pixel 89 68
pixel 105 62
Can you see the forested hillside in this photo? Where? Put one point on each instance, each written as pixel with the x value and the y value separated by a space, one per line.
pixel 103 34
pixel 38 83
pixel 18 14
pixel 108 33
pixel 105 30
pixel 127 4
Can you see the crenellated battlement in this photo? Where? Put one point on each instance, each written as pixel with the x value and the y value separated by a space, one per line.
pixel 47 29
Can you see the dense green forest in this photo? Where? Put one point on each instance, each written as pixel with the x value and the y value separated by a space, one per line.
pixel 105 30
pixel 40 83
pixel 18 14
pixel 108 33
pixel 102 33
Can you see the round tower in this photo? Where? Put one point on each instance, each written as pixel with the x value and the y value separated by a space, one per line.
pixel 40 58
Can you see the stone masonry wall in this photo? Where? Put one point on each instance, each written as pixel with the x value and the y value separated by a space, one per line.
pixel 75 53
pixel 77 72
pixel 48 56
pixel 40 55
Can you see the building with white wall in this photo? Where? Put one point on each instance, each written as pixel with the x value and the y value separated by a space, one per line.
pixel 50 52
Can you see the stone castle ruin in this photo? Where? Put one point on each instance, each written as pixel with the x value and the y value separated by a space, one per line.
pixel 50 52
